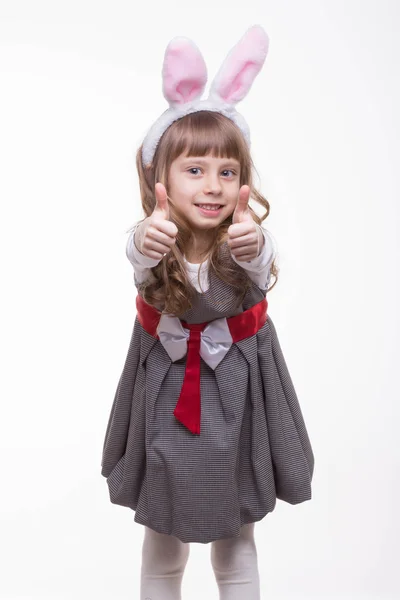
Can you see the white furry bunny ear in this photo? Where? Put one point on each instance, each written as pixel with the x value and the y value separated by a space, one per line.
pixel 184 72
pixel 240 67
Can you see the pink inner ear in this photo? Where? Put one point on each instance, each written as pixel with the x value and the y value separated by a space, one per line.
pixel 234 90
pixel 184 72
pixel 188 89
pixel 241 66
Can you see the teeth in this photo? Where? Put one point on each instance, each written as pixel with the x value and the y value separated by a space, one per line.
pixel 208 207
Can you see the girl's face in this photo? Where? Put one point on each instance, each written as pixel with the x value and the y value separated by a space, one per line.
pixel 205 189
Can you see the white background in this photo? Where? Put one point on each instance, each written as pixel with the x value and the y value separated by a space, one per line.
pixel 79 86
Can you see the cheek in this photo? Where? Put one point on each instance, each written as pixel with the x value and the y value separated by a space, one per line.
pixel 231 209
pixel 231 201
pixel 184 189
pixel 175 189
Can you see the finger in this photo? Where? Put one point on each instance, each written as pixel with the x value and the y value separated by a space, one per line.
pixel 156 255
pixel 246 249
pixel 244 240
pixel 242 228
pixel 161 199
pixel 167 227
pixel 162 238
pixel 245 257
pixel 151 246
pixel 242 204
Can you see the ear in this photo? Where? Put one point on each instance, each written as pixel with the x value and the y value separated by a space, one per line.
pixel 240 67
pixel 184 72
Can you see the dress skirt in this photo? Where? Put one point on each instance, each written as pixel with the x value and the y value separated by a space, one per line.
pixel 253 447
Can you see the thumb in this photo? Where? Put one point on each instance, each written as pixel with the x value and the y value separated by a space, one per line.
pixel 161 200
pixel 242 205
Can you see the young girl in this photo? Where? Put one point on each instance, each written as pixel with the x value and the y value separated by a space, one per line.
pixel 205 430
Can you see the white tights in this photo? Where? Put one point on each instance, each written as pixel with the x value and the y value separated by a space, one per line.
pixel 234 562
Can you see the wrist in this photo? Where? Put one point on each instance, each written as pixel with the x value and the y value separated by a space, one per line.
pixel 261 239
pixel 137 238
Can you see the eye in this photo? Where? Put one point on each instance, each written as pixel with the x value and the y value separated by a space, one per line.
pixel 225 172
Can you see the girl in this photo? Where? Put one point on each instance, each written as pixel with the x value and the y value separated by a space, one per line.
pixel 205 430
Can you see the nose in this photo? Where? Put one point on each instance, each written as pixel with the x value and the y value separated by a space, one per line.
pixel 212 184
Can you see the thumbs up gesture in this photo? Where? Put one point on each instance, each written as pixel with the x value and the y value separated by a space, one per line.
pixel 155 236
pixel 244 237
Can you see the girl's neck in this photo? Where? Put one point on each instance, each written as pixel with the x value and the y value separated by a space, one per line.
pixel 198 249
pixel 194 257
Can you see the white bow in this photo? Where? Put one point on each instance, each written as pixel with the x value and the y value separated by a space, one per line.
pixel 215 339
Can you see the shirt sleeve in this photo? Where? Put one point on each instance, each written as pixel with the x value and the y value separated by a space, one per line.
pixel 258 268
pixel 141 264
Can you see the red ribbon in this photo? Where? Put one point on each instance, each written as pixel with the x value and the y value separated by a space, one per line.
pixel 241 326
pixel 188 407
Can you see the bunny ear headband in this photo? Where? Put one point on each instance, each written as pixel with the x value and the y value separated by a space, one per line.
pixel 184 77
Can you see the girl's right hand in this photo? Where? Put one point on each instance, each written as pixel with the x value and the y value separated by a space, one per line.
pixel 155 236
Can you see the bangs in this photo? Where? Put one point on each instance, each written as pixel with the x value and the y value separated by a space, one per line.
pixel 206 132
pixel 202 133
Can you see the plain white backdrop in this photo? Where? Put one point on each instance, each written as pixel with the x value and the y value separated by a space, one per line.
pixel 79 86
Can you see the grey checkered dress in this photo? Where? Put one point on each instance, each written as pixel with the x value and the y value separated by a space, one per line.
pixel 253 447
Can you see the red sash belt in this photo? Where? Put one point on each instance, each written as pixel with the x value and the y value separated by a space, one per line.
pixel 241 326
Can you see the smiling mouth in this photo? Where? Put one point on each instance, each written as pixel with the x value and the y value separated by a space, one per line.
pixel 209 206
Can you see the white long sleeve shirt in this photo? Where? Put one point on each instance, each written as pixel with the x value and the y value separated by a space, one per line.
pixel 258 269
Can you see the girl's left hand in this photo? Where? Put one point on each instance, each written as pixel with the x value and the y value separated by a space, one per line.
pixel 244 237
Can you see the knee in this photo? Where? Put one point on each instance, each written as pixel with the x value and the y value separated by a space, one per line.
pixel 163 554
pixel 233 554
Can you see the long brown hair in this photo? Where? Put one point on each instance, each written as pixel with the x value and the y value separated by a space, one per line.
pixel 196 134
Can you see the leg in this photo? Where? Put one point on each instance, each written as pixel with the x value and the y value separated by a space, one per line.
pixel 234 562
pixel 164 559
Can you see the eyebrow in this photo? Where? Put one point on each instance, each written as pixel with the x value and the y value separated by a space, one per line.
pixel 200 160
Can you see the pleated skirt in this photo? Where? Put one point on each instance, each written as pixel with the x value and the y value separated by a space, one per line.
pixel 253 448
